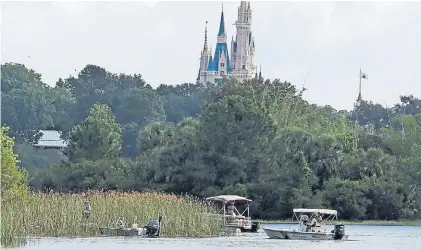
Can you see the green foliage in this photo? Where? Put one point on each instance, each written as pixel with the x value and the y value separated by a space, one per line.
pixel 256 138
pixel 107 174
pixel 33 159
pixel 97 137
pixel 132 101
pixel 182 101
pixel 347 197
pixel 25 101
pixel 14 183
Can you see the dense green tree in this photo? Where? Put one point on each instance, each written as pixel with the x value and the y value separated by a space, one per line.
pixel 182 101
pixel 13 179
pixel 33 159
pixel 26 102
pixel 257 138
pixel 97 137
pixel 107 174
pixel 248 127
pixel 133 102
pixel 347 197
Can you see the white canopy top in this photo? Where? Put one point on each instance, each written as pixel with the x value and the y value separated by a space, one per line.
pixel 312 210
pixel 227 198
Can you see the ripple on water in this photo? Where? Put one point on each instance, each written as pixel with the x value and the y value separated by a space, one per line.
pixel 361 238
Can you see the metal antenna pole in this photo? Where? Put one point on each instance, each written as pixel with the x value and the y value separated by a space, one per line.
pixel 359 92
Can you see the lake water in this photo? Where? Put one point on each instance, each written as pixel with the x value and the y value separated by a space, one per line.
pixel 360 238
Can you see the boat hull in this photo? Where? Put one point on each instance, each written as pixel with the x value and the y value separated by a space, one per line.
pixel 140 232
pixel 249 227
pixel 295 235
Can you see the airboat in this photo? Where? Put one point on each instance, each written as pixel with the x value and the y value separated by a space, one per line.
pixel 232 218
pixel 311 226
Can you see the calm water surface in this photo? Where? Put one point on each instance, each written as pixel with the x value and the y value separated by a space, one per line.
pixel 360 238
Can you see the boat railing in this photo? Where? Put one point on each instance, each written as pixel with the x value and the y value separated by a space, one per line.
pixel 223 211
pixel 235 221
pixel 246 211
pixel 320 224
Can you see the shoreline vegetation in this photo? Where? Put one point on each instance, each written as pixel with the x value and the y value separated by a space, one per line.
pixel 61 215
pixel 257 138
pixel 357 223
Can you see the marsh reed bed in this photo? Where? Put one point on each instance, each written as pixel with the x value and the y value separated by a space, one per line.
pixel 54 214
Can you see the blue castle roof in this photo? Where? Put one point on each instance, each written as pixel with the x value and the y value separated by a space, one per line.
pixel 210 64
pixel 214 63
pixel 220 48
pixel 222 25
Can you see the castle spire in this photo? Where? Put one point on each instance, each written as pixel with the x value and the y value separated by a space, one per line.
pixel 221 32
pixel 205 45
pixel 240 62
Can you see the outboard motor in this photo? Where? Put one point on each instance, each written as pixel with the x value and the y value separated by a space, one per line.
pixel 339 232
pixel 153 228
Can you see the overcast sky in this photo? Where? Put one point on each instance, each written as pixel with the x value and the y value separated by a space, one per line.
pixel 326 41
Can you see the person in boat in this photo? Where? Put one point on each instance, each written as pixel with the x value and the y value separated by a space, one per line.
pixel 316 221
pixel 319 219
pixel 120 223
pixel 305 222
pixel 309 224
pixel 230 210
pixel 304 219
pixel 313 223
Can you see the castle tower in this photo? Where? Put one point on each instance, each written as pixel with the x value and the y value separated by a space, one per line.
pixel 243 48
pixel 221 65
pixel 205 57
pixel 215 68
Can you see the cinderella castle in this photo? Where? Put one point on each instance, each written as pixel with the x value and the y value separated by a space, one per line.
pixel 240 63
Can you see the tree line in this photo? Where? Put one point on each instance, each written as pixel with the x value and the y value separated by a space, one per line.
pixel 258 138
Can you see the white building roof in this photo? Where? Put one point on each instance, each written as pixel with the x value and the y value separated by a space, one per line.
pixel 51 139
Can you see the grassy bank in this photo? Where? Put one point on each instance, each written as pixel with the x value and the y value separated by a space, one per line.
pixel 61 215
pixel 367 222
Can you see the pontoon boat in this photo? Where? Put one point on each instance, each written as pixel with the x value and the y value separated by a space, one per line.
pixel 231 217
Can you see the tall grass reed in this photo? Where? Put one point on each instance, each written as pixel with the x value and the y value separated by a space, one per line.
pixel 54 214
